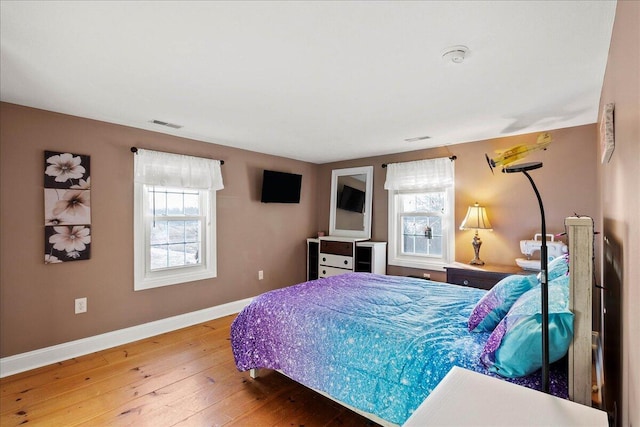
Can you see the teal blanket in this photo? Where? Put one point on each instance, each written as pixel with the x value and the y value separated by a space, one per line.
pixel 378 343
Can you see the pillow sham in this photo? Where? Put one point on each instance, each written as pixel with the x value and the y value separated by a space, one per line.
pixel 493 306
pixel 514 348
pixel 557 267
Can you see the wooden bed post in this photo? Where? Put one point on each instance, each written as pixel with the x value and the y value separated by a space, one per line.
pixel 580 243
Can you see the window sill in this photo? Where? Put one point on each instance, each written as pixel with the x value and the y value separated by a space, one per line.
pixel 173 279
pixel 423 265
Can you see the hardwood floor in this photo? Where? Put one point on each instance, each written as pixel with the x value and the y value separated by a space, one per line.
pixel 182 378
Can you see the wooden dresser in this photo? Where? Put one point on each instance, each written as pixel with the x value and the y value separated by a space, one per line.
pixel 330 256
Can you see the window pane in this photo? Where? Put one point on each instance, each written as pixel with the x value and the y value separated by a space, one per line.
pixel 416 225
pixel 174 203
pixel 422 235
pixel 421 225
pixel 422 245
pixel 430 247
pixel 407 244
pixel 176 255
pixel 192 204
pixel 408 202
pixel 192 253
pixel 435 222
pixel 430 202
pixel 159 257
pixel 408 225
pixel 423 202
pixel 192 231
pixel 157 201
pixel 435 246
pixel 176 231
pixel 159 232
pixel 408 234
pixel 175 243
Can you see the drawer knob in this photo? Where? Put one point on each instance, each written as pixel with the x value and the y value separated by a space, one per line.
pixel 346 262
pixel 465 282
pixel 324 258
pixel 324 271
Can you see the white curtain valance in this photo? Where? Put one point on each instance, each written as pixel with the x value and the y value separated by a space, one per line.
pixel 177 170
pixel 420 174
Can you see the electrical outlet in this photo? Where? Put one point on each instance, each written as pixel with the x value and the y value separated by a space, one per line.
pixel 81 305
pixel 260 275
pixel 426 275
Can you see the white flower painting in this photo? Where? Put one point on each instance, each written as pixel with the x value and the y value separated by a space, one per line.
pixel 64 167
pixel 67 206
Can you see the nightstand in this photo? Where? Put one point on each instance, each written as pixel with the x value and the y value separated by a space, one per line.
pixel 484 277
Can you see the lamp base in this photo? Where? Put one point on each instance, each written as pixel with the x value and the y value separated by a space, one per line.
pixel 476 243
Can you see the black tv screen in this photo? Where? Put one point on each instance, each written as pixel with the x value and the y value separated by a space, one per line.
pixel 280 187
pixel 351 199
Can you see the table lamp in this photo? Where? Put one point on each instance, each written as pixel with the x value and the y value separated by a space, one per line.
pixel 476 219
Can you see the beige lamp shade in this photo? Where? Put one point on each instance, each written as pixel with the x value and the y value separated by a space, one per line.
pixel 476 219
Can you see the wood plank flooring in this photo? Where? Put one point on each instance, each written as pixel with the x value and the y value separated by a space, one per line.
pixel 182 378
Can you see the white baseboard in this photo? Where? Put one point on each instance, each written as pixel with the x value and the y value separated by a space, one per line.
pixel 45 356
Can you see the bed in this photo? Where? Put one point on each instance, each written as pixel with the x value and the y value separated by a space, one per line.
pixel 380 344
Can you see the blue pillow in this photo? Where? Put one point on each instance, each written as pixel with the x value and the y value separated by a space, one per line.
pixel 514 349
pixel 557 267
pixel 493 306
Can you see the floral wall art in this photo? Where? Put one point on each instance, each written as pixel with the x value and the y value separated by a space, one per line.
pixel 67 207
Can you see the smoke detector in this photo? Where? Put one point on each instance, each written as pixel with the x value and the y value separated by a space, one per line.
pixel 455 54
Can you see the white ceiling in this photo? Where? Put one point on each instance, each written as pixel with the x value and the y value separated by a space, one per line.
pixel 314 81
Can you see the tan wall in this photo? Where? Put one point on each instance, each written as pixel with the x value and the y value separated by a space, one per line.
pixel 566 182
pixel 620 203
pixel 37 300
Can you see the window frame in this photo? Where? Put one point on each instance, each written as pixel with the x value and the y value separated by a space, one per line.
pixel 395 214
pixel 144 277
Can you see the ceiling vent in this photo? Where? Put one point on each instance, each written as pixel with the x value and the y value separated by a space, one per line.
pixel 417 138
pixel 169 125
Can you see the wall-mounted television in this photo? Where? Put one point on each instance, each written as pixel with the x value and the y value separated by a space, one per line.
pixel 280 187
pixel 351 199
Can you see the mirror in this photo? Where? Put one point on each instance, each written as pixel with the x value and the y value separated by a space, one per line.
pixel 351 195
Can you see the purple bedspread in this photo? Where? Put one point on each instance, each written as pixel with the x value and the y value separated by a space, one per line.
pixel 378 343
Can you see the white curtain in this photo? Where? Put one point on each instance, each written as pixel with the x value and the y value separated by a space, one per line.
pixel 420 174
pixel 177 170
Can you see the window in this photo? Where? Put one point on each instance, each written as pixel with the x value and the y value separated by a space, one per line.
pixel 421 213
pixel 174 220
pixel 176 226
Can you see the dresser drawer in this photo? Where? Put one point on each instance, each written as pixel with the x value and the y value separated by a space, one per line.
pixel 485 278
pixel 331 271
pixel 336 247
pixel 338 261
